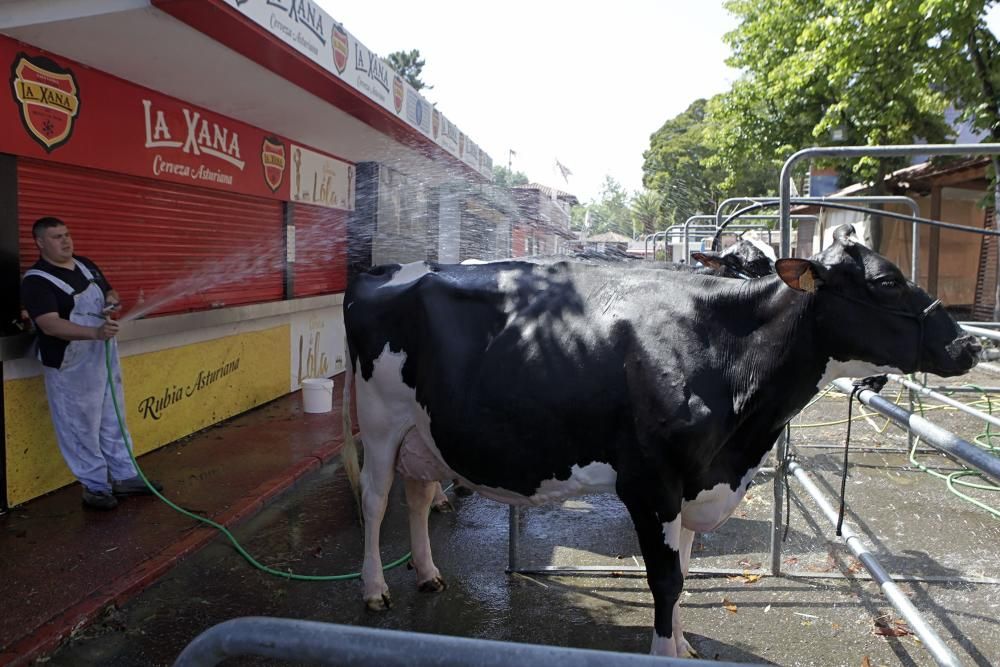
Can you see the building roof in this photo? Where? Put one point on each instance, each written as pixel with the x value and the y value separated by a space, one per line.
pixel 968 172
pixel 607 237
pixel 921 176
pixel 548 192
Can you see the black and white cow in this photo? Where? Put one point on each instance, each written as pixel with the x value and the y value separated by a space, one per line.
pixel 532 383
pixel 747 258
pixel 744 259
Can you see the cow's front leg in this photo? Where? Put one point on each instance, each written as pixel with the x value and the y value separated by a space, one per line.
pixel 419 495
pixel 659 530
pixel 684 649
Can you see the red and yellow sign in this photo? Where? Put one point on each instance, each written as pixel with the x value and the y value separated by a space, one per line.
pixel 48 98
pixel 340 43
pixel 129 129
pixel 397 93
pixel 272 156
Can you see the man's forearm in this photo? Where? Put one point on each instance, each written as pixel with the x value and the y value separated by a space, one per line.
pixel 57 327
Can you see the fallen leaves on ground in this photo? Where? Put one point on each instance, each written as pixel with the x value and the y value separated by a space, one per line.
pixel 728 606
pixel 746 578
pixel 885 626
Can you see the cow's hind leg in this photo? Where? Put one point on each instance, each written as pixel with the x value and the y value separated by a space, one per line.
pixel 376 481
pixel 440 502
pixel 419 495
pixel 658 526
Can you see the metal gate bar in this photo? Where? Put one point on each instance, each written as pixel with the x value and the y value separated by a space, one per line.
pixel 937 648
pixel 932 434
pixel 333 644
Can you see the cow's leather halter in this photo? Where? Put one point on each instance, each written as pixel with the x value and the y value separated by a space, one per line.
pixel 874 383
pixel 918 317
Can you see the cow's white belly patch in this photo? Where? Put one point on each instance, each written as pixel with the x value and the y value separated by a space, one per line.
pixel 596 477
pixel 712 507
pixel 851 369
pixel 407 274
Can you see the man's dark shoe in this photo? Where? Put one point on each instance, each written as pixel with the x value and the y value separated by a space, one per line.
pixel 134 486
pixel 99 500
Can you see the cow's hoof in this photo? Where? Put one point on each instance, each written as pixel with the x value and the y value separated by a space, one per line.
pixel 443 507
pixel 435 585
pixel 383 603
pixel 684 649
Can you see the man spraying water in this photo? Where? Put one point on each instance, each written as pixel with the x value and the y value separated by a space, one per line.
pixel 72 306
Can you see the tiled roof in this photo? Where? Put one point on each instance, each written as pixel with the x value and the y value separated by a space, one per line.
pixel 548 192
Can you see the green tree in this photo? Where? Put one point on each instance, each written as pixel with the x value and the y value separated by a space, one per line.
pixel 966 64
pixel 678 167
pixel 646 215
pixel 507 178
pixel 409 65
pixel 610 212
pixel 817 72
pixel 674 165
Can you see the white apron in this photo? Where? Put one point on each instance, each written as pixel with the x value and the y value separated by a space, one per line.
pixel 80 398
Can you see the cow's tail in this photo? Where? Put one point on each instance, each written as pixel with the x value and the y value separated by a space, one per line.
pixel 349 453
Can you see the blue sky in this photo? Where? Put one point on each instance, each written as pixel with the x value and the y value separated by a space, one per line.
pixel 582 82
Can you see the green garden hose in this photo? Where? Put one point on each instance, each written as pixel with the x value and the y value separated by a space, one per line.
pixel 239 548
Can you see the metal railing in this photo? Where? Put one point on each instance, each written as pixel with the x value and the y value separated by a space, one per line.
pixel 785 193
pixel 821 201
pixel 332 644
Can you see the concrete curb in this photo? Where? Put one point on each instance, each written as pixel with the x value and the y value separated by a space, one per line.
pixel 47 637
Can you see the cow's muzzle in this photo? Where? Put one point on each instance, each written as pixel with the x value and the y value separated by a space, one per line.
pixel 965 350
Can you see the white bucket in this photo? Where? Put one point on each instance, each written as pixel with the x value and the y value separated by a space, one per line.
pixel 317 395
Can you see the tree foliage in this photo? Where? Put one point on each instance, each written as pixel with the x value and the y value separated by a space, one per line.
pixel 609 212
pixel 409 65
pixel 678 168
pixel 820 72
pixel 965 59
pixel 507 178
pixel 646 214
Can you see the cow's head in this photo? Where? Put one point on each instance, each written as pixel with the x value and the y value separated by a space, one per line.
pixel 867 310
pixel 744 259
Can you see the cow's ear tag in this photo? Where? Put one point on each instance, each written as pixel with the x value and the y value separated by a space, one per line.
pixel 798 274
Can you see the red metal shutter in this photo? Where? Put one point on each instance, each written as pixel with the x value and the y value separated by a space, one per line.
pixel 320 250
pixel 192 248
pixel 518 241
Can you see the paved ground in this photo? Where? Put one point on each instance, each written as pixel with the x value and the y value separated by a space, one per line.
pixel 62 565
pixel 912 522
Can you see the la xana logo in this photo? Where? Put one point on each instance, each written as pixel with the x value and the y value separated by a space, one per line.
pixel 272 156
pixel 341 47
pixel 48 99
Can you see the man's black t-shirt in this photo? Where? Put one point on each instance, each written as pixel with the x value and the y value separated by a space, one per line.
pixel 40 296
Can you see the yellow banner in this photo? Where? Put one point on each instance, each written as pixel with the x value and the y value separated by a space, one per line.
pixel 168 394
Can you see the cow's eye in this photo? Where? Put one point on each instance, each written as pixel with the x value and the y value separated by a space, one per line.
pixel 889 282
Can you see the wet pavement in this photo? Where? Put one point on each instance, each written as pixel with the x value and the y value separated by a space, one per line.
pixel 61 565
pixel 825 614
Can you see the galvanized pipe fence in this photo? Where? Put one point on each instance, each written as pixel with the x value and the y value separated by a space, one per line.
pixel 937 437
pixel 705 230
pixel 333 644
